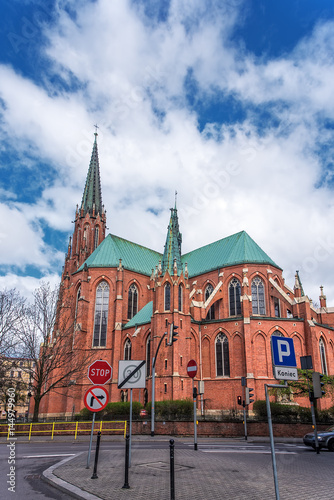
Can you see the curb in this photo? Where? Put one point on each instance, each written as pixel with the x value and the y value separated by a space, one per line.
pixel 62 485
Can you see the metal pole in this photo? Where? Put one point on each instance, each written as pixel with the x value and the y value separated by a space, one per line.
pixel 172 477
pixel 95 476
pixel 153 384
pixel 130 430
pixel 126 479
pixel 153 397
pixel 245 421
pixel 317 447
pixel 90 442
pixel 195 419
pixel 272 445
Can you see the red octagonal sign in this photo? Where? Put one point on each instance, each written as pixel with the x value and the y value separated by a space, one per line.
pixel 99 372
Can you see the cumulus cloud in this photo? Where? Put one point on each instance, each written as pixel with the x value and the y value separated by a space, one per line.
pixel 262 171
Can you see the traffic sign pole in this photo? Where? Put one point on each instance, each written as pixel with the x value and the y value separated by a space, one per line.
pixel 195 418
pixel 90 441
pixel 130 432
pixel 271 434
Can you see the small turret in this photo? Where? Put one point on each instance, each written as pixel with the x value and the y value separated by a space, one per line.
pixel 322 297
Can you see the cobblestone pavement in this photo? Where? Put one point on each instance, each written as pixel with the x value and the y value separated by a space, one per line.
pixel 202 475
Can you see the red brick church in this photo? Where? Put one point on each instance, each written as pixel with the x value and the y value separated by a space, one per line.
pixel 227 299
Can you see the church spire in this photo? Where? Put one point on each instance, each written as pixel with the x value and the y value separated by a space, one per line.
pixel 92 197
pixel 172 253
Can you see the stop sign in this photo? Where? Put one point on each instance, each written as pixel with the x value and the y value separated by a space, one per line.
pixel 192 368
pixel 99 372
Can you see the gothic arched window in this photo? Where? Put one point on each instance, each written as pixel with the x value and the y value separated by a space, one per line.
pixel 76 313
pixel 148 356
pixel 132 301
pixel 96 237
pixel 208 292
pixel 86 237
pixel 222 356
pixel 234 290
pixel 127 350
pixel 167 297
pixel 258 301
pixel 101 315
pixel 323 356
pixel 180 298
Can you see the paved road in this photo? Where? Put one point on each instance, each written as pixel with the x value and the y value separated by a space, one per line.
pixel 235 461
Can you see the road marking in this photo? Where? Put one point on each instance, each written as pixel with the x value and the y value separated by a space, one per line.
pixel 250 451
pixel 49 456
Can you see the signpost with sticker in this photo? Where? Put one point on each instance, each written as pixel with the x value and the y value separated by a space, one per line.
pixel 284 368
pixel 131 375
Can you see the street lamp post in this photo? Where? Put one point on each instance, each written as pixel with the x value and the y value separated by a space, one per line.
pixel 153 384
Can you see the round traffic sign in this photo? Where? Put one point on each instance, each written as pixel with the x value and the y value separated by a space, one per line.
pixel 96 398
pixel 99 372
pixel 192 368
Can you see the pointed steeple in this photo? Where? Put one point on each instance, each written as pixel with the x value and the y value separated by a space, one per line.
pixel 172 252
pixel 298 284
pixel 92 197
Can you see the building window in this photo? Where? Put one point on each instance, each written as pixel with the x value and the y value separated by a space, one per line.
pixel 211 312
pixel 132 301
pixel 101 315
pixel 323 357
pixel 181 298
pixel 222 356
pixel 96 237
pixel 19 374
pixel 78 241
pixel 277 307
pixel 258 302
pixel 148 356
pixel 289 313
pixel 165 364
pixel 167 297
pixel 76 313
pixel 127 350
pixel 234 296
pixel 85 237
pixel 165 388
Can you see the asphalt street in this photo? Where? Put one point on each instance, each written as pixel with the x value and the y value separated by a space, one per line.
pixel 235 456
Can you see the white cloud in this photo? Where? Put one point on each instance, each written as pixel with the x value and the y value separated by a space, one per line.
pixel 26 285
pixel 129 78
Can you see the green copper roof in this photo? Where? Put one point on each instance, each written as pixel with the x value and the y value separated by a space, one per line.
pixel 134 257
pixel 172 251
pixel 92 193
pixel 238 248
pixel 142 317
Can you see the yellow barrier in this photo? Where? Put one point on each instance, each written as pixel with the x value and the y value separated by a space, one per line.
pixel 53 429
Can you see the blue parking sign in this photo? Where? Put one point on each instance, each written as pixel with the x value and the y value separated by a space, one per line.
pixel 283 351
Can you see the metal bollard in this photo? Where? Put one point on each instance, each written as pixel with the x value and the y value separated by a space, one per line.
pixel 95 476
pixel 172 484
pixel 127 446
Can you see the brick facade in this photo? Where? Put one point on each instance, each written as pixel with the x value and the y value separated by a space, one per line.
pixel 247 335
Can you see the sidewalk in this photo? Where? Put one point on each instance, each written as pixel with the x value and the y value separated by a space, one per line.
pixel 199 475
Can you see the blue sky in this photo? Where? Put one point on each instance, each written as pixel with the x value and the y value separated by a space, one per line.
pixel 228 102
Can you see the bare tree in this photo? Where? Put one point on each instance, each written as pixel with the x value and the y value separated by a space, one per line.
pixel 47 339
pixel 12 311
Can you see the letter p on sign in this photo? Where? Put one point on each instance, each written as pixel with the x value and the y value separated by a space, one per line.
pixel 283 349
